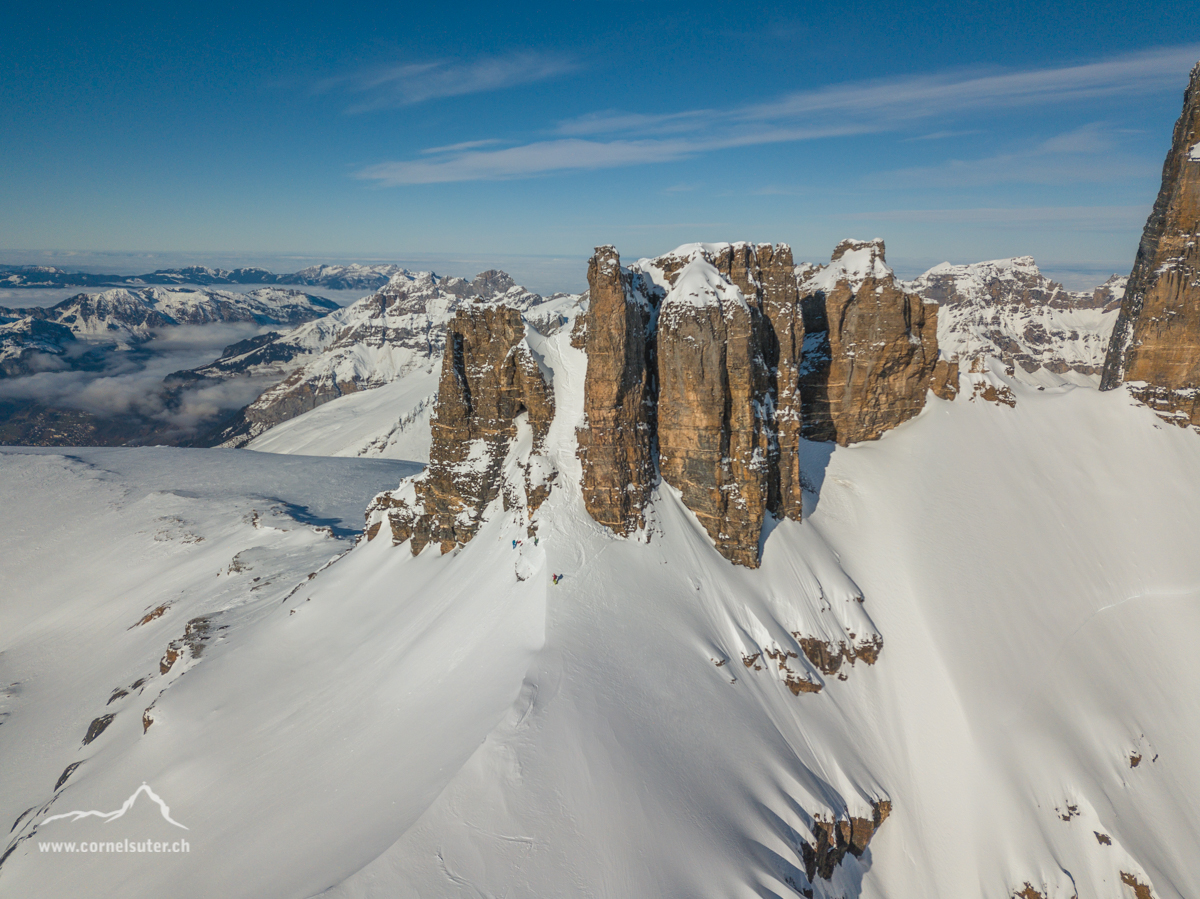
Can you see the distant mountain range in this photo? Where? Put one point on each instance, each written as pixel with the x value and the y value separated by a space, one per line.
pixel 121 317
pixel 332 277
pixel 88 370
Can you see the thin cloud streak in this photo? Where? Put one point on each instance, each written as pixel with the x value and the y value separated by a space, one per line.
pixel 943 135
pixel 923 96
pixel 392 87
pixel 458 148
pixel 613 139
pixel 567 154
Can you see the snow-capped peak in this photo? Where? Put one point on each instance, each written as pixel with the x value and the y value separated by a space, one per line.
pixel 853 261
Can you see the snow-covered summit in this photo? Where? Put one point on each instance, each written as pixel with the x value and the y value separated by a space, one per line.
pixel 345 277
pixel 661 271
pixel 1008 281
pixel 853 262
pixel 1008 310
pixel 29 345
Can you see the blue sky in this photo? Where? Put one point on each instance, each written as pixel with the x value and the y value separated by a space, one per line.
pixel 464 135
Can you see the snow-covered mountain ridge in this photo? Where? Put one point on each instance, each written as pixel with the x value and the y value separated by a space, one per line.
pixel 131 316
pixel 607 642
pixel 396 334
pixel 450 725
pixel 1008 310
pixel 1003 309
pixel 334 277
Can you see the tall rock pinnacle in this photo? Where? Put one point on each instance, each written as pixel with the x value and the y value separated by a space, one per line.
pixel 766 276
pixel 713 440
pixel 617 443
pixel 1156 342
pixel 489 380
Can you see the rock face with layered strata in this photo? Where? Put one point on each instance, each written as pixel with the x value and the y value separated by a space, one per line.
pixel 765 275
pixel 490 386
pixel 713 439
pixel 695 355
pixel 697 366
pixel 1155 345
pixel 718 358
pixel 617 440
pixel 871 349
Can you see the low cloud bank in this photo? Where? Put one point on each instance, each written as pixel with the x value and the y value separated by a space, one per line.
pixel 130 385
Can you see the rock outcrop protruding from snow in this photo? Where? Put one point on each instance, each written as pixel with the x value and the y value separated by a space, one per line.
pixel 397 332
pixel 616 443
pixel 714 443
pixel 833 839
pixel 871 349
pixel 1155 345
pixel 490 387
pixel 765 275
pixel 1008 310
pixel 695 356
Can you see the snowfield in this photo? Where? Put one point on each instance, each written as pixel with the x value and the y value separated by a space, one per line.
pixel 388 422
pixel 362 723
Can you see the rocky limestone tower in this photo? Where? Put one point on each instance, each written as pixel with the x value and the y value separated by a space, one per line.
pixel 872 348
pixel 738 363
pixel 1156 341
pixel 766 276
pixel 489 378
pixel 617 440
pixel 713 441
pixel 719 390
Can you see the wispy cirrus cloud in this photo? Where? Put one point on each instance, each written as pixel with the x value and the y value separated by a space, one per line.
pixel 923 96
pixel 575 154
pixel 611 139
pixel 406 84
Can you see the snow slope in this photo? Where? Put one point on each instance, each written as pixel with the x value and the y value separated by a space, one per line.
pixel 439 726
pixel 388 422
